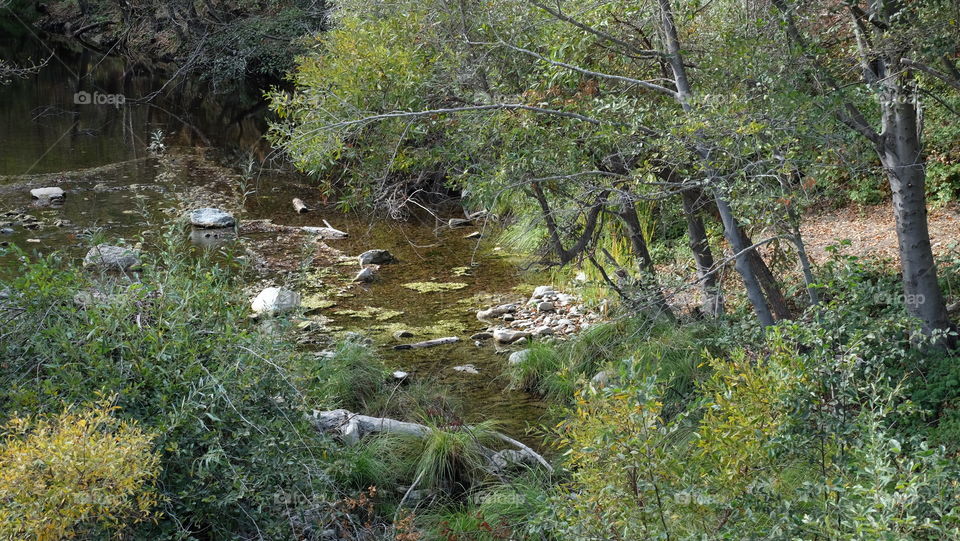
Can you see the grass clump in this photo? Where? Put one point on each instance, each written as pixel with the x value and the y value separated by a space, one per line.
pixel 349 377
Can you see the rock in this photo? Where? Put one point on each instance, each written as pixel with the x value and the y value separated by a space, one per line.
pixel 543 331
pixel 400 375
pixel 275 300
pixel 467 368
pixel 477 215
pixel 107 257
pixel 375 257
pixel 6 231
pixel 496 311
pixel 459 222
pixel 518 357
pixel 542 291
pixel 601 379
pixel 367 274
pixel 565 323
pixel 211 218
pixel 47 194
pixel 482 336
pixel 509 459
pixel 101 187
pixel 546 306
pixel 90 297
pixel 474 235
pixel 402 334
pixel 508 317
pixel 564 299
pixel 508 336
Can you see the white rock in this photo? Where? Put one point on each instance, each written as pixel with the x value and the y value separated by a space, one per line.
pixel 507 336
pixel 400 375
pixel 518 357
pixel 47 194
pixel 367 274
pixel 467 368
pixel 275 300
pixel 211 218
pixel 542 291
pixel 546 306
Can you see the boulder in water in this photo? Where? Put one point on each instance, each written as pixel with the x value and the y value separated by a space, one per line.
pixel 107 257
pixel 275 300
pixel 211 218
pixel 375 257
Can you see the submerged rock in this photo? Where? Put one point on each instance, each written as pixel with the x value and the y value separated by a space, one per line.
pixel 212 238
pixel 108 257
pixel 376 257
pixel 275 300
pixel 211 218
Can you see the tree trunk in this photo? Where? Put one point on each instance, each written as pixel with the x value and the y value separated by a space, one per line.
pixel 684 92
pixel 775 298
pixel 702 255
pixel 648 275
pixel 902 156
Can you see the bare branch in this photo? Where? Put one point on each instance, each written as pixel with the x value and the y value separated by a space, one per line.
pixel 599 33
pixel 639 82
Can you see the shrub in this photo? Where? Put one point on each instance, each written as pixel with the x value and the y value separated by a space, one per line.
pixel 223 396
pixel 76 473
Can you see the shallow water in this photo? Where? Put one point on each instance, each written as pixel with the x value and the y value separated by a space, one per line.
pixel 117 189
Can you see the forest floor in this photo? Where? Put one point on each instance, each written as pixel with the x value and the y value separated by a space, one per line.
pixel 872 231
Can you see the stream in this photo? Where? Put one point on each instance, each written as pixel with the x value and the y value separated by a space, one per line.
pixel 215 155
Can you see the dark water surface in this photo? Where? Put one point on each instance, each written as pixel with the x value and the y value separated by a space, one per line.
pixel 117 189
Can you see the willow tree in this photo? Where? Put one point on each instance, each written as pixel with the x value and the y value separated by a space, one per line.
pixel 580 109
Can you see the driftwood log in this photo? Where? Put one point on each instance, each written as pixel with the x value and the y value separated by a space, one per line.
pixel 429 343
pixel 352 427
pixel 326 233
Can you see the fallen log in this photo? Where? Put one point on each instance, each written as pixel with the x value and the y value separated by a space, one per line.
pixel 429 343
pixel 300 206
pixel 326 233
pixel 352 427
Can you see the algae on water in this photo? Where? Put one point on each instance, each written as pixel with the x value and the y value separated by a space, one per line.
pixel 371 312
pixel 434 287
